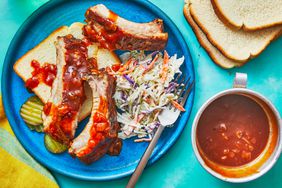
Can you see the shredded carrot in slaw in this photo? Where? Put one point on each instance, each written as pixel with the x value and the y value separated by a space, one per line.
pixel 165 67
pixel 151 66
pixel 126 65
pixel 178 106
pixel 145 87
pixel 128 71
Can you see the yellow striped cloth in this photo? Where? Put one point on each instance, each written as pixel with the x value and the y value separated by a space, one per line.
pixel 17 168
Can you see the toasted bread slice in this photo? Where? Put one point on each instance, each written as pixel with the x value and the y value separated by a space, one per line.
pixel 45 52
pixel 213 52
pixel 237 45
pixel 249 15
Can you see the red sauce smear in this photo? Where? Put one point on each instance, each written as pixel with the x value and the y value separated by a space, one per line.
pixel 116 67
pixel 233 130
pixel 47 108
pixel 100 128
pixel 41 74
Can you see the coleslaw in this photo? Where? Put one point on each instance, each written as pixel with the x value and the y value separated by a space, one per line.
pixel 144 88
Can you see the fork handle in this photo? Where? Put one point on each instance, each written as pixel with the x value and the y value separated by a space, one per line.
pixel 144 160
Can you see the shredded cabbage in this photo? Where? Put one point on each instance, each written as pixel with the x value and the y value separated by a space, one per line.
pixel 144 87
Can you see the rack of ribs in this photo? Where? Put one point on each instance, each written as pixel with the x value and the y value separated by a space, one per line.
pixel 100 135
pixel 60 113
pixel 114 32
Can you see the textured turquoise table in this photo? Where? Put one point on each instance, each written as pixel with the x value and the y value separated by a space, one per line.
pixel 179 167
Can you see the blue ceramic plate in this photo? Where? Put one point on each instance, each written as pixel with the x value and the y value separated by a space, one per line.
pixel 37 27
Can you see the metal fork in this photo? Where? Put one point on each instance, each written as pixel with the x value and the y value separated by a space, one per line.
pixel 167 117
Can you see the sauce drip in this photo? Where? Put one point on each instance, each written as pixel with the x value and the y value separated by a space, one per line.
pixel 41 74
pixel 116 67
pixel 233 131
pixel 47 108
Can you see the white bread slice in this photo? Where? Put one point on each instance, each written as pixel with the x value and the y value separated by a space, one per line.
pixel 237 45
pixel 213 52
pixel 249 15
pixel 45 52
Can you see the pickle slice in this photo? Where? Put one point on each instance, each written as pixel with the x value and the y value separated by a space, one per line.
pixel 53 146
pixel 37 128
pixel 31 112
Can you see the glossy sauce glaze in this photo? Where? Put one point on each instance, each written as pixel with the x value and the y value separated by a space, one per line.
pixel 41 74
pixel 233 131
pixel 101 132
pixel 76 67
pixel 108 35
pixel 100 128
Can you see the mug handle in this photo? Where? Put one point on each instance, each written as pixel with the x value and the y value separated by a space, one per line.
pixel 240 80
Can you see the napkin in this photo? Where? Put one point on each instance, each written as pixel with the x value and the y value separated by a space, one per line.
pixel 17 167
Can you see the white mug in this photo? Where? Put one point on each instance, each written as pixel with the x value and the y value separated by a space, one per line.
pixel 267 158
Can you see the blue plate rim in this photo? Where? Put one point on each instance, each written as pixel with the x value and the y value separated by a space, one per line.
pixel 9 114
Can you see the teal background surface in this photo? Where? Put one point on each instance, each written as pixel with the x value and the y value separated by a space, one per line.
pixel 179 167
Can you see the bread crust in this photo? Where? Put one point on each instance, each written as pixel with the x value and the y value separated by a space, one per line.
pixel 114 55
pixel 203 43
pixel 34 48
pixel 223 18
pixel 222 50
pixel 220 13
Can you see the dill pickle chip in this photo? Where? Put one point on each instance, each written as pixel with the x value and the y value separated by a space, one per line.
pixel 31 112
pixel 37 128
pixel 36 100
pixel 54 146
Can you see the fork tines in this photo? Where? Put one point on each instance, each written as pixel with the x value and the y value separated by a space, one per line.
pixel 183 88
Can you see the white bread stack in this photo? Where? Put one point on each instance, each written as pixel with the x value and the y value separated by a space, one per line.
pixel 234 31
pixel 45 52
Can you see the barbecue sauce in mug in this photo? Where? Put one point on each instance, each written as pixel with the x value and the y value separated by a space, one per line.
pixel 232 133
